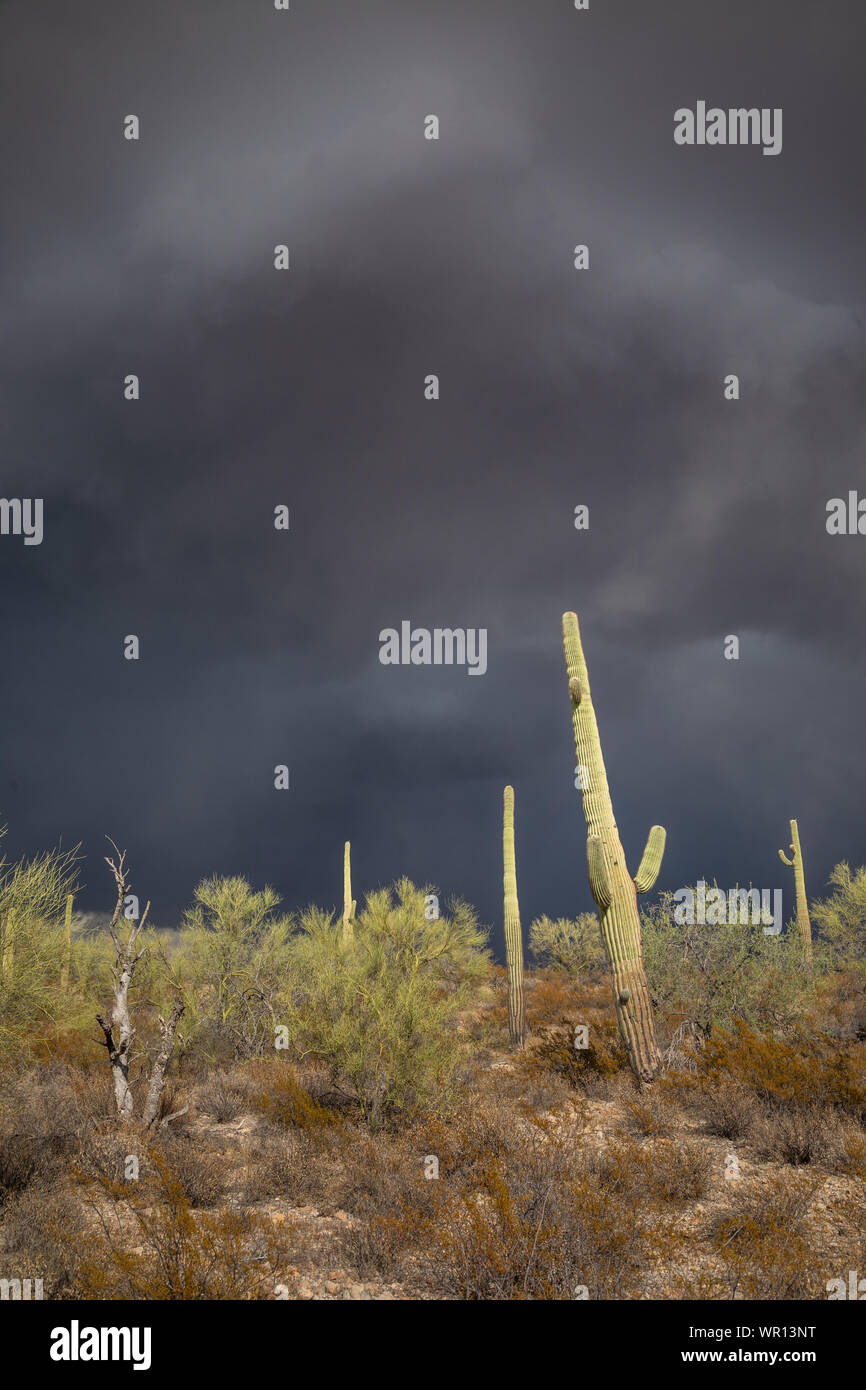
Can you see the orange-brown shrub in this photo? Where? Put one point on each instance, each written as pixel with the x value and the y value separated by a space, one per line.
pixel 647 1116
pixel 40 1229
pixel 154 1247
pixel 501 1238
pixel 580 1067
pixel 727 1111
pixel 68 1046
pixel 763 1243
pixel 201 1173
pixel 550 997
pixel 808 1070
pixel 661 1171
pixel 281 1097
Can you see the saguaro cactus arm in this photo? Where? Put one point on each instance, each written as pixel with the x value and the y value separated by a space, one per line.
pixel 650 864
pixel 784 858
pixel 599 883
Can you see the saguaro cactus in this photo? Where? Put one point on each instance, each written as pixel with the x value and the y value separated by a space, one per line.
pixel 796 863
pixel 613 888
pixel 348 904
pixel 7 949
pixel 513 937
pixel 67 942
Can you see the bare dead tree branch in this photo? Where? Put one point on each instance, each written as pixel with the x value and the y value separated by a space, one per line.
pixel 157 1076
pixel 117 1029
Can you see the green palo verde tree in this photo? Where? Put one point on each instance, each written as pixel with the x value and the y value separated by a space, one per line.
pixel 513 937
pixel 613 888
pixel 796 863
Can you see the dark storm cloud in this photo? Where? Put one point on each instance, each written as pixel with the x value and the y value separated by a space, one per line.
pixel 410 257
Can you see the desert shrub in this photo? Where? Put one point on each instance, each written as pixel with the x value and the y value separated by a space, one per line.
pixel 174 1114
pixel 44 1112
pixel 281 1165
pixel 763 1244
pixel 103 1154
pixel 581 1067
pixel 390 1201
pixel 799 1135
pixel 647 1116
pixel 660 1172
pixel 33 953
pixel 852 1159
pixel 840 1004
pixel 805 1070
pixel 39 1229
pixel 515 1214
pixel 53 1046
pixel 231 961
pixel 381 1011
pixel 284 1100
pixel 22 1160
pixel 153 1246
pixel 398 1214
pixel 712 973
pixel 677 1172
pixel 550 997
pixel 506 1237
pixel 222 1098
pixel 201 1173
pixel 572 947
pixel 380 1171
pixel 841 919
pixel 374 1244
pixel 726 1111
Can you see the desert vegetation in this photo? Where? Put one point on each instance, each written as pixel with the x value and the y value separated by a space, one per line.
pixel 357 1102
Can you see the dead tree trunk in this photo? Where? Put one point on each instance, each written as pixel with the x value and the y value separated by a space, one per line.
pixel 157 1076
pixel 116 1025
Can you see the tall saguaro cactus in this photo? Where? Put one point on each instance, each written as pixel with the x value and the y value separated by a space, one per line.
pixel 7 949
pixel 348 904
pixel 67 943
pixel 613 888
pixel 513 936
pixel 796 863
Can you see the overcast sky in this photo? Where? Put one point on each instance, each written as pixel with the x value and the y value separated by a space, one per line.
pixel 558 387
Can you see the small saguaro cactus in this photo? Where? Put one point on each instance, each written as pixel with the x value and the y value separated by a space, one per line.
pixel 513 937
pixel 613 888
pixel 348 904
pixel 796 863
pixel 7 949
pixel 67 943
